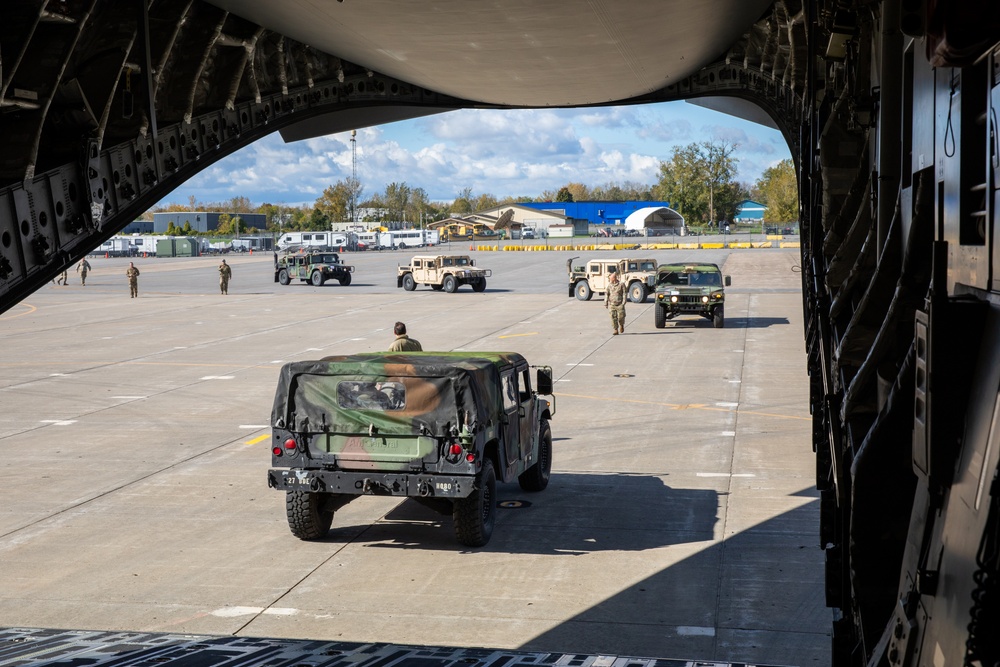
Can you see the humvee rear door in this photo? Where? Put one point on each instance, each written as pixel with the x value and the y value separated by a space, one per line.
pixel 512 422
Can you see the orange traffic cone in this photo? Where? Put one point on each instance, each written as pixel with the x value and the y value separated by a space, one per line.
pixel 471 246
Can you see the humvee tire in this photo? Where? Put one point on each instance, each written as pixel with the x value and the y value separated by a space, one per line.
pixel 345 280
pixel 637 292
pixel 283 277
pixel 582 290
pixel 659 316
pixel 306 518
pixel 317 278
pixel 479 285
pixel 450 284
pixel 408 283
pixel 718 317
pixel 476 515
pixel 536 478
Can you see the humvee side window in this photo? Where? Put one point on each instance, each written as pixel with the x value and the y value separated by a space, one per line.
pixel 647 266
pixel 416 263
pixel 365 395
pixel 525 385
pixel 447 261
pixel 463 261
pixel 509 381
pixel 633 266
pixel 595 268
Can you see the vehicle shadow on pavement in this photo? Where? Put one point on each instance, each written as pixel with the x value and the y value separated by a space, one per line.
pixel 577 514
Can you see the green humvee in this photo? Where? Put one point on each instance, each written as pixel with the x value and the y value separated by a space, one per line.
pixel 690 289
pixel 439 427
pixel 312 267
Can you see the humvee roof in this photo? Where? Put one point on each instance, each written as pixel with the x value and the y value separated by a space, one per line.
pixel 708 275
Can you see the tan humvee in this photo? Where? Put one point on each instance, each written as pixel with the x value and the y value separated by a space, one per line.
pixel 638 274
pixel 447 272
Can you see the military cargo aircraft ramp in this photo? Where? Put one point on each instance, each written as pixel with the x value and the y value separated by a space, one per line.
pixel 679 524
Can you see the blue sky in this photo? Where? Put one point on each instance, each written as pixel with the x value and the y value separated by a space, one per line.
pixel 522 152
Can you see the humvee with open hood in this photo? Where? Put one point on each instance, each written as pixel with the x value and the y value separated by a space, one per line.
pixel 439 427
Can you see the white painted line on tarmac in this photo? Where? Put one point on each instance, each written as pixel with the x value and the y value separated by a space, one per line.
pixel 180 347
pixel 314 349
pixel 579 364
pixel 233 612
pixel 728 434
pixel 58 422
pixel 727 405
pixel 724 474
pixel 736 381
pixel 218 377
pixel 278 361
pixel 255 426
pixel 563 380
pixel 281 611
pixel 695 631
pixel 739 350
pixel 352 339
pixel 58 375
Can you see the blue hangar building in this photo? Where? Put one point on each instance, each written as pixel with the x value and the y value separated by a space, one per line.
pixel 595 212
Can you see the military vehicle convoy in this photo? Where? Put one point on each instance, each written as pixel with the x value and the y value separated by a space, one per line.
pixel 312 267
pixel 439 427
pixel 690 289
pixel 592 278
pixel 447 272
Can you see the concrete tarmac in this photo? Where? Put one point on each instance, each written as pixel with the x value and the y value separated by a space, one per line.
pixel 681 520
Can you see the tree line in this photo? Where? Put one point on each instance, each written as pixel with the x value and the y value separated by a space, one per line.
pixel 699 181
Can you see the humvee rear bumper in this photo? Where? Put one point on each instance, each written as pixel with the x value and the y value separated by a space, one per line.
pixel 371 483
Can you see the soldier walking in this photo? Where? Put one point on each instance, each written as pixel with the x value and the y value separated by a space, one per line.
pixel 82 268
pixel 404 343
pixel 225 273
pixel 614 300
pixel 132 273
pixel 63 278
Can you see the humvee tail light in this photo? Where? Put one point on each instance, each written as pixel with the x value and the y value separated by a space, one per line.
pixel 470 457
pixel 276 451
pixel 290 444
pixel 456 449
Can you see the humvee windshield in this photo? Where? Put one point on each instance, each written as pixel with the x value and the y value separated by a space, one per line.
pixel 692 277
pixel 447 261
pixel 325 259
pixel 711 279
pixel 642 266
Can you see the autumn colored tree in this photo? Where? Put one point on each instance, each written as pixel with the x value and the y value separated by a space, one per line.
pixel 778 190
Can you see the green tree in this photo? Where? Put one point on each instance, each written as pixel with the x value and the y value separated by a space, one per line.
pixel 171 229
pixel 187 227
pixel 396 200
pixel 335 202
pixel 699 181
pixel 564 195
pixel 463 202
pixel 778 189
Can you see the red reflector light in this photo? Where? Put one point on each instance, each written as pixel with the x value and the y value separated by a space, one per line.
pixel 290 443
pixel 456 449
pixel 276 451
pixel 470 457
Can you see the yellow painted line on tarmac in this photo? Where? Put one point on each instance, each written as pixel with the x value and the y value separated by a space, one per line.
pixel 30 310
pixel 533 333
pixel 690 406
pixel 259 438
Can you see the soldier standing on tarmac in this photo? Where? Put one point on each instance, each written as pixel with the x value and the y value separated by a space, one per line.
pixel 132 273
pixel 63 278
pixel 225 273
pixel 82 268
pixel 614 300
pixel 404 343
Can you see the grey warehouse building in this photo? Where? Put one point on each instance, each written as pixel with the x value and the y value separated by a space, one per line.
pixel 204 221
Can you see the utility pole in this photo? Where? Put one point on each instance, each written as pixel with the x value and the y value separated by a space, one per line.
pixel 354 174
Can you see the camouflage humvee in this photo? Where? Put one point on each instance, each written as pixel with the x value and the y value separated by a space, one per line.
pixel 447 272
pixel 585 280
pixel 692 289
pixel 439 427
pixel 312 267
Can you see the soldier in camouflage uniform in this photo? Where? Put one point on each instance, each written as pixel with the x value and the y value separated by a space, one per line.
pixel 63 278
pixel 132 273
pixel 225 273
pixel 614 300
pixel 404 343
pixel 82 268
